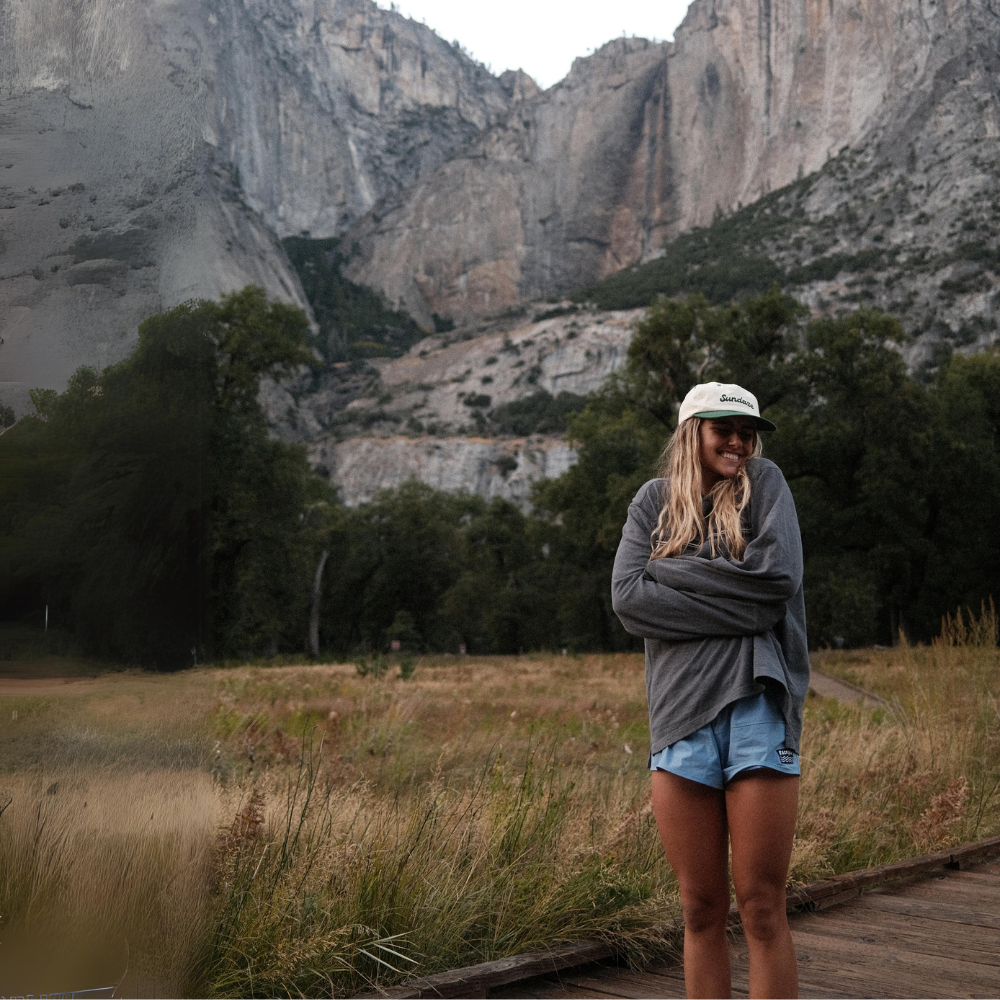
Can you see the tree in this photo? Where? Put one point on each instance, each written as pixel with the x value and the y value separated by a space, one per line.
pixel 118 547
pixel 504 600
pixel 148 505
pixel 961 534
pixel 852 441
pixel 400 552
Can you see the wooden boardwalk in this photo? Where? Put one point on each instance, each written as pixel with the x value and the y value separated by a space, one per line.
pixel 935 935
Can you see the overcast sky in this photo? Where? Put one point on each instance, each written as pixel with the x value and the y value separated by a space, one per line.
pixel 542 37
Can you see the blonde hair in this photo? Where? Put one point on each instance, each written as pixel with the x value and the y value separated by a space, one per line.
pixel 681 520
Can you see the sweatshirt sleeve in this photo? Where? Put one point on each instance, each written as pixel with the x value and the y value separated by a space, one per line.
pixel 655 610
pixel 771 568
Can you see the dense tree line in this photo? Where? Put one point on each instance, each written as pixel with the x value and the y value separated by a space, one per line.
pixel 895 480
pixel 147 506
pixel 149 509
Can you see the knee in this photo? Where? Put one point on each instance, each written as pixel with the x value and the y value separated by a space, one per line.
pixel 704 911
pixel 762 913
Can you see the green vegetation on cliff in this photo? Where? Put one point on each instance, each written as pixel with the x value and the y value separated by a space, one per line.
pixel 539 413
pixel 855 233
pixel 354 321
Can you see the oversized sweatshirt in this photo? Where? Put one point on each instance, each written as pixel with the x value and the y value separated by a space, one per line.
pixel 717 629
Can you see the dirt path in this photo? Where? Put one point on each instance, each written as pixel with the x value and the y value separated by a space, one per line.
pixel 833 687
pixel 34 687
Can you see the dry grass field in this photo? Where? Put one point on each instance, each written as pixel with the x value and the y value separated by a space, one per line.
pixel 306 830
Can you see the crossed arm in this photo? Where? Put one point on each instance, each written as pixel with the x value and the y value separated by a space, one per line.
pixel 689 597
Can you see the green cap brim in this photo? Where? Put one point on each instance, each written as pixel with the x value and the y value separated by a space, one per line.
pixel 762 424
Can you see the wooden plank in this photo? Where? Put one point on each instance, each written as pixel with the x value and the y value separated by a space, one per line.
pixel 936 911
pixel 842 984
pixel 575 989
pixel 811 991
pixel 943 888
pixel 818 976
pixel 974 877
pixel 672 970
pixel 938 975
pixel 609 980
pixel 879 927
pixel 543 988
pixel 479 978
pixel 985 866
pixel 890 979
pixel 832 963
pixel 539 988
pixel 868 877
pixel 861 955
pixel 666 988
pixel 652 984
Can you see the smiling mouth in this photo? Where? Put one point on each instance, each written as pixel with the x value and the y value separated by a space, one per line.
pixel 732 456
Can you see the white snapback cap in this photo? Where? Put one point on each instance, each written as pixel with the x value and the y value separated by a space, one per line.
pixel 721 399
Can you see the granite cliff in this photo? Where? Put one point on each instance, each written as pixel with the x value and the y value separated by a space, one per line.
pixel 484 414
pixel 642 142
pixel 325 106
pixel 152 153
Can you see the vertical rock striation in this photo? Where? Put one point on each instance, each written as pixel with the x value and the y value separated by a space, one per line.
pixel 153 153
pixel 556 193
pixel 642 141
pixel 325 106
pixel 112 206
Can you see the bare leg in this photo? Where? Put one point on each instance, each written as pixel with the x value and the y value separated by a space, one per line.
pixel 761 811
pixel 691 818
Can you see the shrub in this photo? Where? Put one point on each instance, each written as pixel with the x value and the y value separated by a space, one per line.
pixel 478 400
pixel 539 413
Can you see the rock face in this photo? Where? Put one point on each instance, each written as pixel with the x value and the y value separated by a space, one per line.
pixel 560 192
pixel 324 106
pixel 151 153
pixel 111 205
pixel 445 397
pixel 506 468
pixel 448 387
pixel 641 142
pixel 909 226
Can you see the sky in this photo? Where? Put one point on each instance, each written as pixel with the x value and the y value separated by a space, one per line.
pixel 542 37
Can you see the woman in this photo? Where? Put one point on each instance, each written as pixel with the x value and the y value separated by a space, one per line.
pixel 709 573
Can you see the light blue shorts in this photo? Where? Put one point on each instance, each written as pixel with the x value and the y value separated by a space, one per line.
pixel 747 735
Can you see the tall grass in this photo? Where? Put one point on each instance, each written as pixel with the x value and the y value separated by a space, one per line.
pixel 104 879
pixel 885 784
pixel 336 890
pixel 308 831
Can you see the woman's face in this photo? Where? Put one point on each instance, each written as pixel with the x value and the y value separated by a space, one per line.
pixel 725 444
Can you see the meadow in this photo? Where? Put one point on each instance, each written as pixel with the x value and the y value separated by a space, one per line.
pixel 306 830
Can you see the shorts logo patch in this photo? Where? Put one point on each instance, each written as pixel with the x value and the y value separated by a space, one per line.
pixel 786 756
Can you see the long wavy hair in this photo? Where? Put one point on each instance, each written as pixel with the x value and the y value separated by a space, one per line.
pixel 681 520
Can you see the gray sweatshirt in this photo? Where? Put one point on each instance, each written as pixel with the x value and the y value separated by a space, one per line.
pixel 717 630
